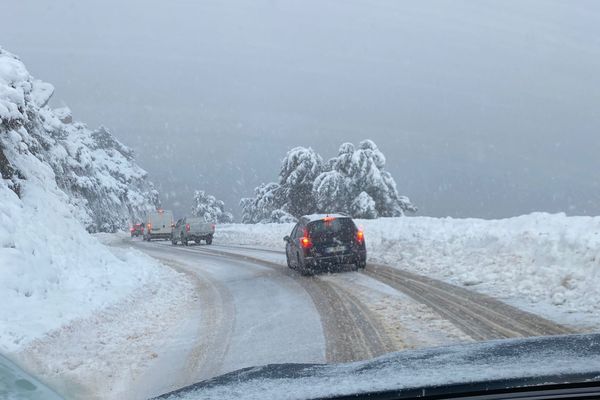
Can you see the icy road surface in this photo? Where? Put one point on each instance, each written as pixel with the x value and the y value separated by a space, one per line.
pixel 248 309
pixel 255 311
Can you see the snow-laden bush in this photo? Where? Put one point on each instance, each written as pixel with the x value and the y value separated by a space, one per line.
pixel 106 188
pixel 355 182
pixel 208 207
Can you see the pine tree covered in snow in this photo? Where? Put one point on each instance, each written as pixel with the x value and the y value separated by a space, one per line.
pixel 208 207
pixel 330 191
pixel 363 206
pixel 292 196
pixel 357 184
pixel 264 206
pixel 106 188
pixel 354 182
pixel 299 169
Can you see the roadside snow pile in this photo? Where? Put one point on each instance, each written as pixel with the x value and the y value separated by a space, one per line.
pixel 545 263
pixel 260 235
pixel 51 270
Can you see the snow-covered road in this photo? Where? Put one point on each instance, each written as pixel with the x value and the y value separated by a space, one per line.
pixel 248 309
pixel 348 300
pixel 256 311
pixel 479 316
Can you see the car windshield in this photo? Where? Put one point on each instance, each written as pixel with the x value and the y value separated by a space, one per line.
pixel 298 199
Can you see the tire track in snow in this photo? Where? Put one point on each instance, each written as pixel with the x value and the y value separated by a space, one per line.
pixel 217 321
pixel 479 316
pixel 351 331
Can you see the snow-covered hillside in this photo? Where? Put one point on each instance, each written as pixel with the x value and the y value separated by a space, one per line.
pixel 51 270
pixel 106 188
pixel 546 263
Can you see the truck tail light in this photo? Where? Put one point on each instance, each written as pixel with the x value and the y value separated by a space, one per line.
pixel 149 227
pixel 187 227
pixel 214 227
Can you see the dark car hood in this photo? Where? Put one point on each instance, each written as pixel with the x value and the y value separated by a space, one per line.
pixel 499 364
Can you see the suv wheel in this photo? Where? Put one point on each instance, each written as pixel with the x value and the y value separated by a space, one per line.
pixel 302 267
pixel 209 240
pixel 287 259
pixel 184 240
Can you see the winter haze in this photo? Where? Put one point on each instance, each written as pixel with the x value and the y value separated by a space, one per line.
pixel 482 108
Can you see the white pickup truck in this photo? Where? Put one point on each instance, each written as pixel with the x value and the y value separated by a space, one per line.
pixel 192 228
pixel 158 225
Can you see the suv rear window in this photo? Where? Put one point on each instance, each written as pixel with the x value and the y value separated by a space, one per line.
pixel 342 229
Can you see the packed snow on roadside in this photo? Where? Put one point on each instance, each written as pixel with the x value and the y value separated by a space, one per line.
pixel 52 271
pixel 545 263
pixel 74 312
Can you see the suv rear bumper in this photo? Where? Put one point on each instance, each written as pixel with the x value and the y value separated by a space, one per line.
pixel 358 257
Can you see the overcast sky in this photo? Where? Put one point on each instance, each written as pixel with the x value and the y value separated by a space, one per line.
pixel 482 108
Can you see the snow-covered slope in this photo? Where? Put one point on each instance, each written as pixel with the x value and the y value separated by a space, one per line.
pixel 51 270
pixel 105 186
pixel 549 264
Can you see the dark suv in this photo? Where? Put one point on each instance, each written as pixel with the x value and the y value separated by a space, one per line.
pixel 319 241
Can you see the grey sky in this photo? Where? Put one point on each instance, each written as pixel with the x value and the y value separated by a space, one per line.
pixel 483 108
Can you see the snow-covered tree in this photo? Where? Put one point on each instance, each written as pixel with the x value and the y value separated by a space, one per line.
pixel 354 182
pixel 299 169
pixel 268 198
pixel 290 198
pixel 363 206
pixel 358 184
pixel 208 207
pixel 98 172
pixel 281 217
pixel 330 191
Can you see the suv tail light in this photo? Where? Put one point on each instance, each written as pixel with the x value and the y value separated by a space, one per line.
pixel 187 227
pixel 360 236
pixel 305 241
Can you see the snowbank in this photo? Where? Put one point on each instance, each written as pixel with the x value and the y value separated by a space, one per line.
pixel 52 271
pixel 545 263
